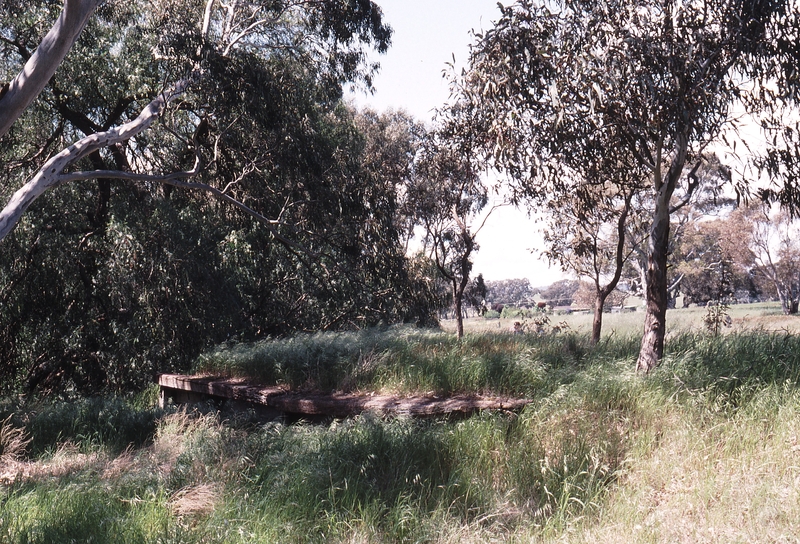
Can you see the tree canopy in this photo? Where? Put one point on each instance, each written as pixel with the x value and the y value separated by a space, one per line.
pixel 140 256
pixel 651 83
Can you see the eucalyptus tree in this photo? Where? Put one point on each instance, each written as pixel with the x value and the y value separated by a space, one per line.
pixel 446 197
pixel 140 254
pixel 191 42
pixel 767 245
pixel 656 81
pixel 706 195
pixel 587 234
pixel 708 259
pixel 513 291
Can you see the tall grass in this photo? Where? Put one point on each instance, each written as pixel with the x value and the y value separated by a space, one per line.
pixel 704 449
pixel 113 422
pixel 411 360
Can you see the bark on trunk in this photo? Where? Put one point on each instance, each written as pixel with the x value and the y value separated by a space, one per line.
pixel 652 349
pixel 459 318
pixel 597 321
pixel 657 295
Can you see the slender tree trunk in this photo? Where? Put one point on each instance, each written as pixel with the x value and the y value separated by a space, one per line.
pixel 652 349
pixel 597 321
pixel 657 295
pixel 602 293
pixel 459 286
pixel 459 316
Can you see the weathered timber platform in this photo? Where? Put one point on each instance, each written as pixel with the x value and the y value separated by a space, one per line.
pixel 180 389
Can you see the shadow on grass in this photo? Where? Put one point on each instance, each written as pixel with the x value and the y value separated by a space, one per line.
pixel 401 479
pixel 110 423
pixel 406 480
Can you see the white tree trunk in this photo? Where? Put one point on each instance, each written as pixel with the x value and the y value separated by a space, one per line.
pixel 27 85
pixel 52 173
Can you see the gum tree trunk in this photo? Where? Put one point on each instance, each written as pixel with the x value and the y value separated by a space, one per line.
pixel 657 297
pixel 458 305
pixel 26 86
pixel 652 349
pixel 597 320
pixel 602 293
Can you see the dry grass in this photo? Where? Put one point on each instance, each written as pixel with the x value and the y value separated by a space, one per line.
pixel 195 500
pixel 707 449
pixel 730 480
pixel 66 460
pixel 156 460
pixel 13 441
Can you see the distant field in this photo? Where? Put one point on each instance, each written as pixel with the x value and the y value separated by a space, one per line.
pixel 766 316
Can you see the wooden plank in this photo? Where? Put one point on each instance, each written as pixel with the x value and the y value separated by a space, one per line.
pixel 335 404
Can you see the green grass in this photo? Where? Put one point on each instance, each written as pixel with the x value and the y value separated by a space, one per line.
pixel 704 449
pixel 409 360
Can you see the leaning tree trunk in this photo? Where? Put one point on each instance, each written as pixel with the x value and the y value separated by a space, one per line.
pixel 53 173
pixel 40 67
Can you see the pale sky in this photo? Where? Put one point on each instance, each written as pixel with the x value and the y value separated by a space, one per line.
pixel 427 34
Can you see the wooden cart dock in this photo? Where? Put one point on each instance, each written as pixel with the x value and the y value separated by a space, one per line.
pixel 277 400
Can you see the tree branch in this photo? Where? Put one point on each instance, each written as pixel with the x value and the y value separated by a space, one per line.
pixel 178 179
pixel 51 174
pixel 40 67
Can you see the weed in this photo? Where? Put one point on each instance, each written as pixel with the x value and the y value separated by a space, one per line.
pixel 13 441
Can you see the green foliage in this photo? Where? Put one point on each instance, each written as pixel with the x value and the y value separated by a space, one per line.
pixel 509 291
pixel 105 284
pixel 74 513
pixel 512 312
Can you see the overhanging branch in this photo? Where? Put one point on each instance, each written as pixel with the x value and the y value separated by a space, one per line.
pixel 180 179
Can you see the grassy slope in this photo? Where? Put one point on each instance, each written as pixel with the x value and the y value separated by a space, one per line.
pixel 704 450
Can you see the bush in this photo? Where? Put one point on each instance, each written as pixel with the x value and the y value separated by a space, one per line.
pixel 512 312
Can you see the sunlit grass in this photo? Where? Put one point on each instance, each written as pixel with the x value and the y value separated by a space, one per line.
pixel 745 317
pixel 705 449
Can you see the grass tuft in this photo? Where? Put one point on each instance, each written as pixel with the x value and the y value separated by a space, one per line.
pixel 13 441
